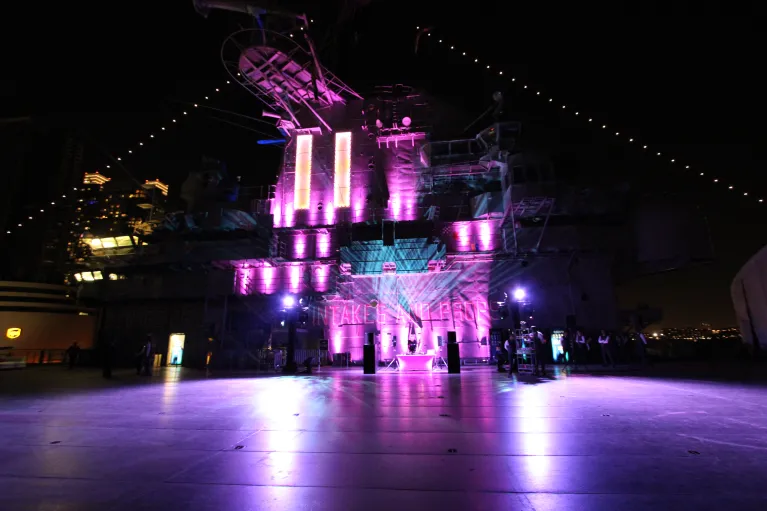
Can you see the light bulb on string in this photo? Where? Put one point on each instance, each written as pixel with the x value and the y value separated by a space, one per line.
pixel 576 113
pixel 163 128
pixel 551 99
pixel 658 154
pixel 151 136
pixel 672 160
pixel 119 159
pixel 108 167
pixel 716 180
pixel 217 90
pixel 141 143
pixel 687 166
pixel 524 87
pixel 476 60
pixel 184 113
pixel 195 105
pixel 500 72
pixel 644 147
pixel 631 140
pixel 206 97
pixel 174 120
pixel 730 187
pixel 130 152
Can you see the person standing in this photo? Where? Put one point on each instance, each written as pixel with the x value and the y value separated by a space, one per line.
pixel 581 348
pixel 144 357
pixel 567 348
pixel 540 352
pixel 511 353
pixel 604 344
pixel 73 353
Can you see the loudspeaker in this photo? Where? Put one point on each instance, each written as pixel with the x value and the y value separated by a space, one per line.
pixel 451 338
pixel 453 357
pixel 388 234
pixel 570 322
pixel 439 340
pixel 369 359
pixel 371 338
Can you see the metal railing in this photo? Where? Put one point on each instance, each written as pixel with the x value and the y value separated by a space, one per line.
pixel 33 356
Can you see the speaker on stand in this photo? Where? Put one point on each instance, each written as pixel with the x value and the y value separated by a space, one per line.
pixel 369 355
pixel 453 354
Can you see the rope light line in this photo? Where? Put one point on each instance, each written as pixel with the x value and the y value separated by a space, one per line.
pixel 154 135
pixel 116 160
pixel 451 49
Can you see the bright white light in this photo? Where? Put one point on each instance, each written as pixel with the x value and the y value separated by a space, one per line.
pixel 288 301
pixel 519 294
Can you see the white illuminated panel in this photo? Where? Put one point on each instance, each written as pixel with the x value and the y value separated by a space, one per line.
pixel 303 185
pixel 342 177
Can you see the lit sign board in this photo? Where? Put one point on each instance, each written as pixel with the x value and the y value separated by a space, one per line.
pixel 303 184
pixel 342 177
pixel 13 333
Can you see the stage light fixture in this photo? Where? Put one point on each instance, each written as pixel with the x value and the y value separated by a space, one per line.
pixel 519 294
pixel 288 301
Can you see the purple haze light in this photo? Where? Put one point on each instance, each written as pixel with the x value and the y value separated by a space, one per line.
pixel 519 294
pixel 288 301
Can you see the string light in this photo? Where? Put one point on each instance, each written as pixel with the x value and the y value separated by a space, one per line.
pixel 604 126
pixel 130 151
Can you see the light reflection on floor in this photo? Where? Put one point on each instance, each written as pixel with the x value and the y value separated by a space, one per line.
pixel 343 440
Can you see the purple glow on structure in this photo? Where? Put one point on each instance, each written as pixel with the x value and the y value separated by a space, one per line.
pixel 485 236
pixel 277 214
pixel 288 215
pixel 299 246
pixel 295 278
pixel 462 237
pixel 330 215
pixel 323 245
pixel 396 206
pixel 267 280
pixel 321 274
pixel 519 294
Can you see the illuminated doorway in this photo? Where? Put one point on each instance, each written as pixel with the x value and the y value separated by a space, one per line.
pixel 556 345
pixel 176 349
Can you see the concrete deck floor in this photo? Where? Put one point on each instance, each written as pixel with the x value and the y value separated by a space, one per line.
pixel 343 441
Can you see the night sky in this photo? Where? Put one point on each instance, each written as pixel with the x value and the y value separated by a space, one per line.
pixel 688 82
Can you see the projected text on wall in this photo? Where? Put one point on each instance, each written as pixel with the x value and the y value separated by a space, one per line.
pixel 342 176
pixel 302 189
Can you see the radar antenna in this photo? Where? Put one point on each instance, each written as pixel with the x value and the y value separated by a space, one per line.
pixel 284 74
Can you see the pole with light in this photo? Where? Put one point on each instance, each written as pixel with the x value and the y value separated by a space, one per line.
pixel 289 307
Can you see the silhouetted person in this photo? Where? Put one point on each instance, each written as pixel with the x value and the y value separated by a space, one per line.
pixel 567 348
pixel 581 348
pixel 540 352
pixel 604 344
pixel 144 358
pixel 511 353
pixel 73 353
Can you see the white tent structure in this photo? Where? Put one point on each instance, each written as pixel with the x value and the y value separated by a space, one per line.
pixel 749 298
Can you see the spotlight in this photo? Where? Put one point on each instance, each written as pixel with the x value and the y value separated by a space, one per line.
pixel 406 121
pixel 519 294
pixel 288 301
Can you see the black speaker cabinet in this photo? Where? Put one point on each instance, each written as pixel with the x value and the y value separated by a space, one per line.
pixel 371 338
pixel 451 338
pixel 369 359
pixel 453 357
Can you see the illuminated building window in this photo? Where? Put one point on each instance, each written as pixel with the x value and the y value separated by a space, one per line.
pixel 302 187
pixel 342 177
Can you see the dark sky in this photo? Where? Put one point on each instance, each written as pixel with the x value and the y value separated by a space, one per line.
pixel 687 81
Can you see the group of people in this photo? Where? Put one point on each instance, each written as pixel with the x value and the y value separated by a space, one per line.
pixel 577 349
pixel 581 349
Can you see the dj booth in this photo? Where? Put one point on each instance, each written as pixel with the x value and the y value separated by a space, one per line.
pixel 415 362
